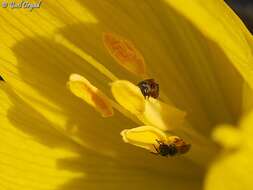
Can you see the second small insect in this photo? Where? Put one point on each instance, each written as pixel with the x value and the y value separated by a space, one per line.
pixel 149 88
pixel 175 146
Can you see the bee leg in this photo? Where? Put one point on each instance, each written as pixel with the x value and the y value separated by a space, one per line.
pixel 157 151
pixel 159 142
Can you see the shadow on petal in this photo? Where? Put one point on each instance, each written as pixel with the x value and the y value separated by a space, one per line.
pixel 108 174
pixel 105 157
pixel 46 69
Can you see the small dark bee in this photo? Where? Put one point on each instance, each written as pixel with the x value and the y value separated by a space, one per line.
pixel 166 149
pixel 149 88
pixel 177 146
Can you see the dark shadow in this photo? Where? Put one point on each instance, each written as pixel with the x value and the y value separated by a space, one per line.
pixel 244 9
pixel 46 58
pixel 1 78
pixel 31 122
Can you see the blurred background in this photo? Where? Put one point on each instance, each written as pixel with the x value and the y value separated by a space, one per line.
pixel 244 9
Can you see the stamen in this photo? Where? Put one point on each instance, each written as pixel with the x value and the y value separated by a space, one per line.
pixel 129 96
pixel 150 111
pixel 162 115
pixel 63 41
pixel 124 53
pixel 145 137
pixel 156 141
pixel 83 89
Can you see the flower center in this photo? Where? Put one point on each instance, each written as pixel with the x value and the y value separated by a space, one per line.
pixel 161 121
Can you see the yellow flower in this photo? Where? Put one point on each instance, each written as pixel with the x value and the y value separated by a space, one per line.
pixel 201 55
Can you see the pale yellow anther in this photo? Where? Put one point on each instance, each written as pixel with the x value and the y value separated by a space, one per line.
pixel 83 89
pixel 145 137
pixel 129 96
pixel 150 111
pixel 125 54
pixel 162 115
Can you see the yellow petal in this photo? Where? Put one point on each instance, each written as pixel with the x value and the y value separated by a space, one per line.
pixel 101 68
pixel 30 150
pixel 83 89
pixel 247 130
pixel 231 172
pixel 144 136
pixel 224 28
pixel 247 98
pixel 225 45
pixel 125 54
pixel 51 15
pixel 129 96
